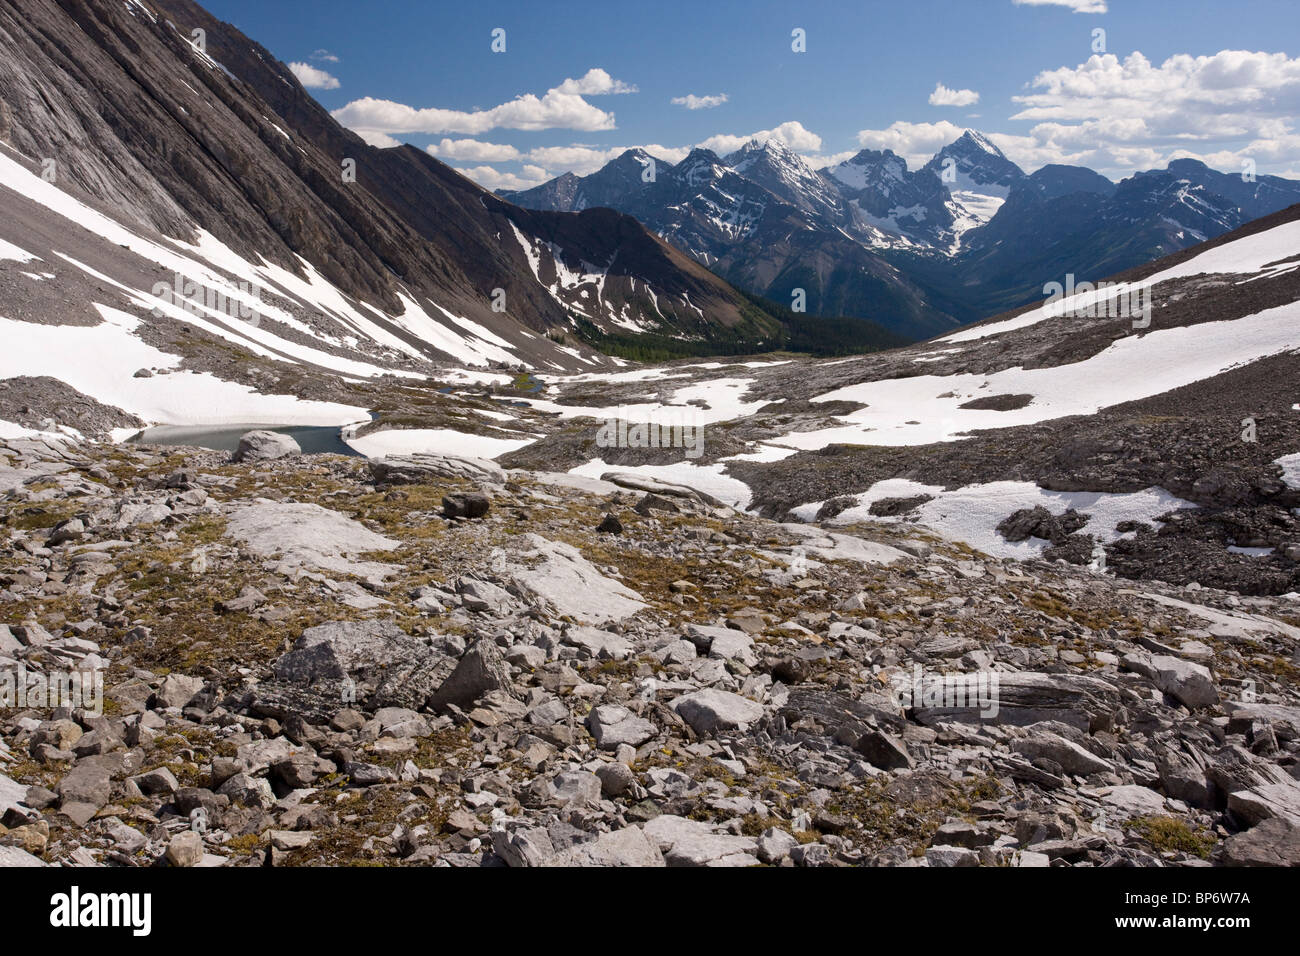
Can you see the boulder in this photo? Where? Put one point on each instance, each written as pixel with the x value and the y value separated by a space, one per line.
pixel 613 725
pixel 480 669
pixel 710 711
pixel 466 504
pixel 265 446
pixel 421 469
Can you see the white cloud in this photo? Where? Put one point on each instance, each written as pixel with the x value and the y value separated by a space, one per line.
pixel 1133 112
pixel 915 142
pixel 693 102
pixel 381 140
pixel 576 159
pixel 1078 6
pixel 942 96
pixel 312 78
pixel 790 134
pixel 474 150
pixel 1119 116
pixel 596 82
pixel 492 179
pixel 325 56
pixel 560 108
pixel 817 161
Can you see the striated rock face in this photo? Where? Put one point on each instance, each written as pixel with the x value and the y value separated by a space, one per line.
pixel 225 140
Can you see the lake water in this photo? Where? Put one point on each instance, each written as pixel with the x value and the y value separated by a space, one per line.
pixel 313 439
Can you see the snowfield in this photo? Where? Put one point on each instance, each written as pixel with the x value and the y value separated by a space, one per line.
pixel 1246 256
pixel 924 409
pixel 442 441
pixel 706 478
pixel 1290 470
pixel 972 514
pixel 101 361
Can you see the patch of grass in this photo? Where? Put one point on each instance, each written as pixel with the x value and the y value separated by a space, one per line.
pixel 1170 834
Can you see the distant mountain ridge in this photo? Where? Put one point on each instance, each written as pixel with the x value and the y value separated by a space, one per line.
pixel 964 236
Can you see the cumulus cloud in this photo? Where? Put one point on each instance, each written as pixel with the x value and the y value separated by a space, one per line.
pixel 490 178
pixel 915 142
pixel 819 161
pixel 474 151
pixel 693 102
pixel 381 140
pixel 1119 116
pixel 576 159
pixel 560 108
pixel 596 82
pixel 1131 110
pixel 1078 6
pixel 942 96
pixel 312 78
pixel 790 134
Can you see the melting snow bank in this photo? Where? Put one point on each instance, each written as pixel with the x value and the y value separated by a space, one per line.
pixel 101 361
pixel 706 478
pixel 1246 256
pixel 972 514
pixel 926 408
pixel 1290 470
pixel 438 441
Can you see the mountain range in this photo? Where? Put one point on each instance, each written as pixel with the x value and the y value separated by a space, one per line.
pixel 965 236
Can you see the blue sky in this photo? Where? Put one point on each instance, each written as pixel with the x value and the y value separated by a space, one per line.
pixel 1214 79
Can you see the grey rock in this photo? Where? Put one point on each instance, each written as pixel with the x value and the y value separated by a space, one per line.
pixel 710 711
pixel 480 669
pixel 154 782
pixel 13 856
pixel 629 846
pixel 469 504
pixel 1024 697
pixel 423 468
pixel 249 791
pixel 775 844
pixel 177 690
pixel 598 644
pixel 265 446
pixel 691 843
pixel 1275 842
pixel 616 779
pixel 612 725
pixel 883 751
pixel 951 856
pixel 185 849
pixel 575 788
pixel 1072 758
pixel 1266 802
pixel 1189 682
pixel 523 847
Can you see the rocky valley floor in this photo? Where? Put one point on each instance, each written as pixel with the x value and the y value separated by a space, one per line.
pixel 435 661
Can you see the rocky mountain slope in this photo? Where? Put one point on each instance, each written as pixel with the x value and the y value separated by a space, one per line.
pixel 391 254
pixel 318 660
pixel 764 221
